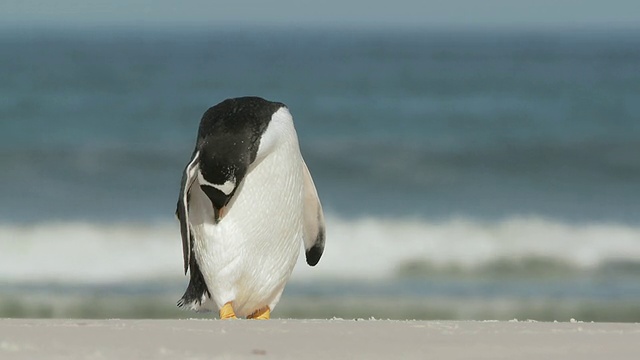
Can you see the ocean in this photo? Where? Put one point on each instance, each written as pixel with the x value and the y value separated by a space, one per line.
pixel 488 174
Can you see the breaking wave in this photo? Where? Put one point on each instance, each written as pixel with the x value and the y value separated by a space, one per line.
pixel 370 248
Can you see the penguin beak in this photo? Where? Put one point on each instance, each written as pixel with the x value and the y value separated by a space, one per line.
pixel 220 213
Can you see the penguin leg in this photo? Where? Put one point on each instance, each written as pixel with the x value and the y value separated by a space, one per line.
pixel 226 312
pixel 261 314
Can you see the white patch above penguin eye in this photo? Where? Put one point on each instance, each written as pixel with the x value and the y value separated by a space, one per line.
pixel 226 188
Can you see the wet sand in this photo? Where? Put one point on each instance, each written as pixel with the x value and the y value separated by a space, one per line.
pixel 314 339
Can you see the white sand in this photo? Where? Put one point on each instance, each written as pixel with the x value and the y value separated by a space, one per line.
pixel 314 339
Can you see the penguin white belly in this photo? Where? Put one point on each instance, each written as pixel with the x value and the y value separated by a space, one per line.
pixel 248 256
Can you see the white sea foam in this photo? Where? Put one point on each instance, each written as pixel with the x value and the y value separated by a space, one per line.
pixel 359 248
pixel 373 247
pixel 80 251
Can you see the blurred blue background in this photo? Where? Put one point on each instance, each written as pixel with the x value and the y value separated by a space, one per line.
pixel 476 160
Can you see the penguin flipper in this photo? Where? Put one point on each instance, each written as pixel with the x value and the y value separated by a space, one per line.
pixel 182 211
pixel 314 229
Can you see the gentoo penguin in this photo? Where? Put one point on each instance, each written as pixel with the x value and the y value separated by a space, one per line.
pixel 247 203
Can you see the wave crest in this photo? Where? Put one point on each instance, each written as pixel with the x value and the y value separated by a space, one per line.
pixel 369 247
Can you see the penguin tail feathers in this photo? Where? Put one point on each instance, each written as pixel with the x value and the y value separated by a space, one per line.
pixel 197 295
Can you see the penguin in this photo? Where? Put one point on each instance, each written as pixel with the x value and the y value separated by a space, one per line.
pixel 247 205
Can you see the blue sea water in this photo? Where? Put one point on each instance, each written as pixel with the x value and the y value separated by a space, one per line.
pixel 435 148
pixel 98 125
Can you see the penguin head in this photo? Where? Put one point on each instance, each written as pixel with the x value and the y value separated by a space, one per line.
pixel 231 137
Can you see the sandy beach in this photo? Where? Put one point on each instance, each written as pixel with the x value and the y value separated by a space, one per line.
pixel 314 339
